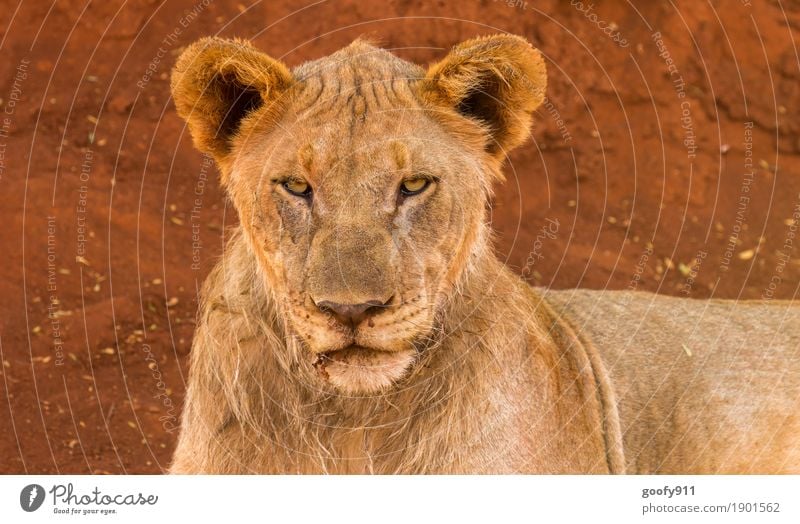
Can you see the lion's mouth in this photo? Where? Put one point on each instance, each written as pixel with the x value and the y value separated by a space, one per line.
pixel 358 369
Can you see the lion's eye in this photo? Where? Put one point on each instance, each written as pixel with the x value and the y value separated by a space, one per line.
pixel 297 187
pixel 414 186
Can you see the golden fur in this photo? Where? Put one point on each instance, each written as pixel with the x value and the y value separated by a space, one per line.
pixel 702 386
pixel 450 363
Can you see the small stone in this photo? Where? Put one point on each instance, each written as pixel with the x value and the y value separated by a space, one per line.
pixel 747 254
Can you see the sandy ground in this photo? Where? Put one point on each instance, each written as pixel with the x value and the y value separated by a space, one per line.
pixel 684 181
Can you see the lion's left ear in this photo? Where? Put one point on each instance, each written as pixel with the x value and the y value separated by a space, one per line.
pixel 217 83
pixel 497 81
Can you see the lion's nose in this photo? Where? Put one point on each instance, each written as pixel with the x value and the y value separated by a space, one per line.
pixel 352 314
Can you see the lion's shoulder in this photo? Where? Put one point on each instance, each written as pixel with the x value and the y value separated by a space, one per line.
pixel 693 368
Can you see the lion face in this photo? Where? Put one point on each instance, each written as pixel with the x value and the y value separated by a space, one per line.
pixel 362 233
pixel 361 183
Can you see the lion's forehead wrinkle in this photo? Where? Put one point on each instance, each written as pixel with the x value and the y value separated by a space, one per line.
pixel 337 96
pixel 368 62
pixel 399 154
pixel 305 157
pixel 350 86
pixel 328 147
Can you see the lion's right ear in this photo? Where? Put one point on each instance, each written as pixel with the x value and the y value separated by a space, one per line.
pixel 217 83
pixel 496 81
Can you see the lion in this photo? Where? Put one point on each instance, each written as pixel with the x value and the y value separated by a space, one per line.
pixel 359 321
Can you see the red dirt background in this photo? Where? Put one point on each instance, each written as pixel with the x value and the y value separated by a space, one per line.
pixel 99 179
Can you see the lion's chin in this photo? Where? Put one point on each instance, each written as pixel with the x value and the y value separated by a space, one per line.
pixel 356 369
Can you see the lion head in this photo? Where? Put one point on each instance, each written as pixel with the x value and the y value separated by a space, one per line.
pixel 361 182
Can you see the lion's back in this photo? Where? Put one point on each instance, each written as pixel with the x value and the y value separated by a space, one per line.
pixel 701 385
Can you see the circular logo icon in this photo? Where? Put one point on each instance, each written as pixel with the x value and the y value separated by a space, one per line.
pixel 31 497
